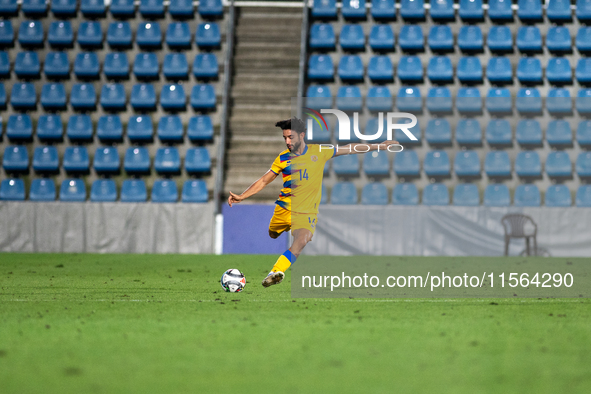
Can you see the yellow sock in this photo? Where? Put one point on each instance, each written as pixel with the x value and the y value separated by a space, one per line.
pixel 284 261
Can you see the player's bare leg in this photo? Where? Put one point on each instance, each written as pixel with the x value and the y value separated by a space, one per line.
pixel 301 238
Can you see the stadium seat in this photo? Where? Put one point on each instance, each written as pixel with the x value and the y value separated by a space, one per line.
pixel 90 34
pixel 19 127
pixel 113 97
pixel 79 128
pixel 499 70
pixel 439 100
pixel 87 65
pixel 178 35
pixel 529 10
pixel 92 8
pixel 73 190
pixel 400 136
pixel 343 193
pixel 469 69
pixel 349 98
pixel 352 37
pixel 559 11
pixel 167 161
pixel 6 33
pixel 103 190
pixel 497 195
pixel 466 195
pixel 558 165
pixel 583 37
pixel 146 66
pixel 181 9
pixel 353 9
pixel 471 10
pixel 436 164
pixel 376 164
pixel 559 134
pixel 173 98
pixel 558 196
pixel 583 71
pixel 45 160
pixel 469 100
pixel 380 69
pixel 119 35
pixel 324 9
pixel 497 164
pixel 351 68
pixel 411 38
pixel 200 128
pixel 528 101
pixel 559 102
pixel 440 69
pixel 347 165
pixel 34 8
pixel 203 97
pixel 140 128
pixel 468 132
pixel 498 133
pixel 467 164
pixel 4 64
pixel 440 38
pixel 320 67
pixel 435 194
pixel 583 197
pixel 76 160
pixel 30 33
pixel 205 65
pixel 208 35
pixel 529 70
pixel 381 38
pixel 405 194
pixel 15 159
pixel 470 39
pixel 527 196
pixel 143 96
pixel 374 194
pixel 109 129
pixel 56 65
pixel 529 133
pixel 410 69
pixel 194 191
pixel 12 189
pixel 134 190
pixel 170 129
pixel 378 99
pixel 164 191
pixel 122 8
pixel 137 161
pixel 23 96
pixel 116 65
pixel 42 189
pixel 60 34
pixel 409 99
pixel 148 35
pixel 197 161
pixel 442 10
pixel 50 128
pixel 528 164
pixel 2 100
pixel 106 160
pixel 53 96
pixel 322 36
pixel 558 39
pixel 583 135
pixel 383 9
pixel 8 8
pixel 498 101
pixel 318 96
pixel 152 8
pixel 529 39
pixel 321 135
pixel 211 8
pixel 559 71
pixel 438 132
pixel 27 65
pixel 64 8
pixel 500 39
pixel 583 165
pixel 412 9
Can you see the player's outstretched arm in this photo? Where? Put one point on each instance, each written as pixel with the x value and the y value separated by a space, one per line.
pixel 350 148
pixel 253 189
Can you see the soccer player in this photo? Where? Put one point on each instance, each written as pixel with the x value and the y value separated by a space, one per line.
pixel 302 168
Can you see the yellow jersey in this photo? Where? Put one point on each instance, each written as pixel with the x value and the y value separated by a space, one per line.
pixel 302 177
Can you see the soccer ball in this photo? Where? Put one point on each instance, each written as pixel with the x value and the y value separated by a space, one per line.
pixel 233 281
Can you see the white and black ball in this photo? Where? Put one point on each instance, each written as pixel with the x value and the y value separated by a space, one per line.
pixel 233 281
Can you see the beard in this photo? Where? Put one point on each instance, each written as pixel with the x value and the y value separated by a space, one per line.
pixel 295 147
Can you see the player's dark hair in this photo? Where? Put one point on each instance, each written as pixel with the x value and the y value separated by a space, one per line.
pixel 294 124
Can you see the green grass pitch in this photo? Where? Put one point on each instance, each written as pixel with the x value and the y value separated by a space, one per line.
pixel 162 324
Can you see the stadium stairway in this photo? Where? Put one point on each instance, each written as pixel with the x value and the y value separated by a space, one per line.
pixel 266 60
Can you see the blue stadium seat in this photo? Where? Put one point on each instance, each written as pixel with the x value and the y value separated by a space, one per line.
pixel 558 39
pixel 60 34
pixel 374 194
pixel 376 164
pixel 164 191
pixel 406 163
pixel 15 159
pixel 152 8
pixel 173 98
pixel 148 35
pixel 352 37
pixel 469 69
pixel 559 101
pixel 208 35
pixel 30 33
pixel 529 70
pixel 170 129
pixel 497 164
pixel 470 39
pixel 583 198
pixel 468 132
pixel 527 196
pixel 583 165
pixel 322 36
pixel 45 159
pixel 116 65
pixel 343 193
pixel 558 196
pixel 122 8
pixel 500 10
pixel 178 35
pixel 145 65
pixel 12 189
pixel 76 160
pixel 50 128
pixel 113 97
pixel 583 135
pixel 559 71
pixel 583 37
pixel 499 70
pixel 134 190
pixel 6 33
pixel 181 9
pixel 353 9
pixel 409 99
pixel 411 38
pixel 469 100
pixel 405 194
pixel 203 97
pixel 205 65
pixel 64 8
pixel 558 165
pixel 143 96
pixel 140 128
pixel 442 10
pixel 380 69
pixel 528 164
pixel 528 101
pixel 440 69
pixel 87 65
pixel 19 127
pixel 438 132
pixel 136 161
pixel 8 8
pixel 347 165
pixel 500 39
pixel 119 35
pixel 467 164
pixel 435 194
pixel 73 190
pixel 56 65
pixel 378 99
pixel 106 160
pixel 439 100
pixel 194 191
pixel 583 10
pixel 318 96
pixel 197 161
pixel 109 129
pixel 324 9
pixel 383 9
pixel 497 195
pixel 471 10
pixel 2 99
pixel 27 65
pixel 103 190
pixel 529 39
pixel 410 69
pixel 23 96
pixel 42 189
pixel 320 67
pixel 79 128
pixel 90 34
pixel 498 133
pixel 4 64
pixel 466 195
pixel 349 98
pixel 167 161
pixel 498 100
pixel 53 96
pixel 436 164
pixel 583 71
pixel 200 128
pixel 34 8
pixel 211 8
pixel 351 68
pixel 92 8
pixel 528 133
pixel 559 133
pixel 381 38
pixel 529 10
pixel 412 9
